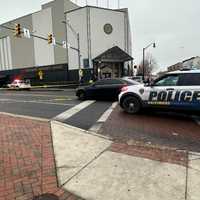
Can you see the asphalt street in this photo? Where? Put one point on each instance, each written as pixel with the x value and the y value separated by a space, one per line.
pixel 165 129
pixel 49 104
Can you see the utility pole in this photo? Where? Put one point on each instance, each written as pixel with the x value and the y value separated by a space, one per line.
pixel 143 70
pixel 78 46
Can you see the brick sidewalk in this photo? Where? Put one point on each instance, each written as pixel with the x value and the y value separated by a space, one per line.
pixel 27 166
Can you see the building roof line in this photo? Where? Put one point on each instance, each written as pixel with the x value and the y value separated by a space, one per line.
pixel 117 10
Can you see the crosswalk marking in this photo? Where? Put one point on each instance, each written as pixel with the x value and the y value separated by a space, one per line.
pixel 196 119
pixel 69 113
pixel 96 127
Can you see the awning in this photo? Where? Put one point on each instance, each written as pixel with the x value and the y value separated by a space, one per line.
pixel 115 54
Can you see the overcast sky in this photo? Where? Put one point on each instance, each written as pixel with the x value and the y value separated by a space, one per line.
pixel 172 24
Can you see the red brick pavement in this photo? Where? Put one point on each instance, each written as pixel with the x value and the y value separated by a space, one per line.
pixel 27 166
pixel 172 130
pixel 153 153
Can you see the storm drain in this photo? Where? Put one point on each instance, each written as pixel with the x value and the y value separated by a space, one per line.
pixel 46 197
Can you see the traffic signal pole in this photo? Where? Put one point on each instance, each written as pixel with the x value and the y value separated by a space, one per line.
pixel 77 35
pixel 79 55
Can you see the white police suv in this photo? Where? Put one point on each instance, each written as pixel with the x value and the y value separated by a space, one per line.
pixel 174 90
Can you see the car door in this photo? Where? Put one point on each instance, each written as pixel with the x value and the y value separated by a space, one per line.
pixel 162 92
pixel 113 87
pixel 190 87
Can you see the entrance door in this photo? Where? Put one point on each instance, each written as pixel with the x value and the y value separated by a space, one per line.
pixel 107 75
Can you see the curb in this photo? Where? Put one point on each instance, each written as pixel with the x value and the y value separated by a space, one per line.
pixel 25 117
pixel 81 130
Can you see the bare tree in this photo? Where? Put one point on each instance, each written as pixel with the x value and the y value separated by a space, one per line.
pixel 150 65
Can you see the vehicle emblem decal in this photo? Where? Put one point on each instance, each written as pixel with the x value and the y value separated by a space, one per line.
pixel 141 91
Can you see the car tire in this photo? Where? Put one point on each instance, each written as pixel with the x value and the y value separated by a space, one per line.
pixel 131 105
pixel 81 95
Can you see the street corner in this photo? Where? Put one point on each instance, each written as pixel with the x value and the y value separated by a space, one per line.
pixel 74 149
pixel 27 160
pixel 94 168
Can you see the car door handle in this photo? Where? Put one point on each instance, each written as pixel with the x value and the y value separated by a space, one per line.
pixel 169 89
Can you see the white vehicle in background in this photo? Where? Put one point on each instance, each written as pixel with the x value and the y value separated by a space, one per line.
pixel 20 85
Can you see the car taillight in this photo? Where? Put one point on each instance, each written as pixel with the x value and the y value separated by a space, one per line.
pixel 124 89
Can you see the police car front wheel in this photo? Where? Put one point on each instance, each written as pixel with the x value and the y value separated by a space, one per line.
pixel 131 105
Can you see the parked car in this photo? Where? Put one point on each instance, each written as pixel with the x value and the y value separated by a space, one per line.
pixel 103 89
pixel 20 84
pixel 175 90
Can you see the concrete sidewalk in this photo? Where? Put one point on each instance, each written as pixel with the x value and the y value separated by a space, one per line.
pixel 96 169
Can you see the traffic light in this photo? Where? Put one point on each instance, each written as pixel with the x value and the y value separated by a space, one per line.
pixel 18 30
pixel 50 38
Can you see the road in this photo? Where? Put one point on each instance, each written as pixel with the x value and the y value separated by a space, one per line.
pixel 50 104
pixel 167 129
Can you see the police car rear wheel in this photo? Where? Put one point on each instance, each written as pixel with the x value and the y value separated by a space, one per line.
pixel 131 105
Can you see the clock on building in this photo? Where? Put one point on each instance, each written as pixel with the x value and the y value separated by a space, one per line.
pixel 108 29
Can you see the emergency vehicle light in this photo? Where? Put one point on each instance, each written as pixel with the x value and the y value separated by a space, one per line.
pixel 124 89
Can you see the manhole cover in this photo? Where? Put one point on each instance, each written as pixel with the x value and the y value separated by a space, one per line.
pixel 46 197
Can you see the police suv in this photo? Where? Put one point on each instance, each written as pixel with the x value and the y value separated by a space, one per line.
pixel 174 90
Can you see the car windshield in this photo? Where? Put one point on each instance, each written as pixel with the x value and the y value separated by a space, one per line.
pixel 130 81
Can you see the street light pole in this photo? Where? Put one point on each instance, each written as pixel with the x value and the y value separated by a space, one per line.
pixel 143 60
pixel 143 70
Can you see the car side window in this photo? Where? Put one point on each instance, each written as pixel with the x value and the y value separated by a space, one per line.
pixel 108 82
pixel 100 82
pixel 169 80
pixel 113 82
pixel 189 79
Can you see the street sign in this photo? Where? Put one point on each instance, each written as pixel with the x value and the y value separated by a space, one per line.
pixel 53 41
pixel 26 33
pixel 40 74
pixel 64 44
pixel 80 72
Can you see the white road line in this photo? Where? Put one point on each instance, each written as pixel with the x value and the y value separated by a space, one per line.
pixel 38 102
pixel 37 95
pixel 69 113
pixel 96 127
pixel 196 119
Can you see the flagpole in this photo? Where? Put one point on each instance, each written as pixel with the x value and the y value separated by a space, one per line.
pixel 118 4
